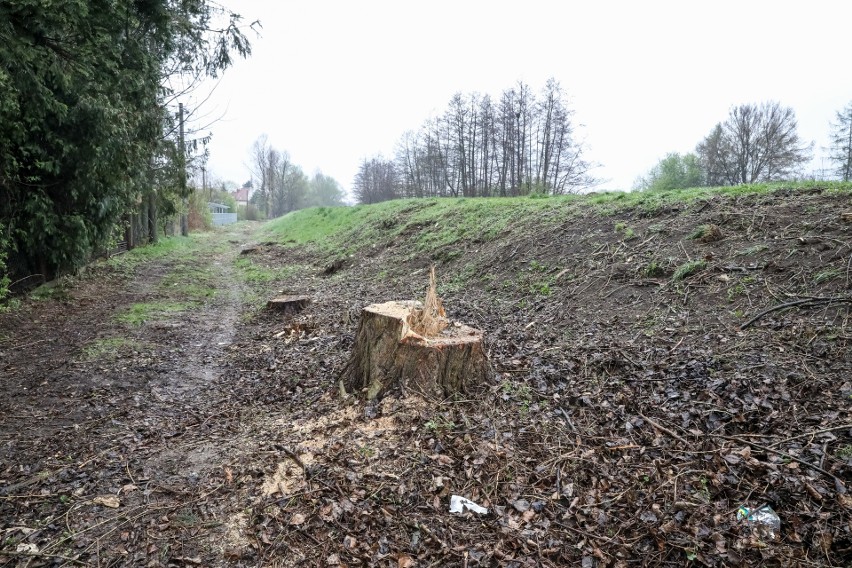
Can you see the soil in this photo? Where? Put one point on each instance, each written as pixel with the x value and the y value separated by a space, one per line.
pixel 634 410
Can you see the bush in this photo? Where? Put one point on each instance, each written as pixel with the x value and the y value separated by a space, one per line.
pixel 249 213
pixel 200 218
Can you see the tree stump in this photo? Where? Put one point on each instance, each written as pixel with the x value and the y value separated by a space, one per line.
pixel 288 304
pixel 389 353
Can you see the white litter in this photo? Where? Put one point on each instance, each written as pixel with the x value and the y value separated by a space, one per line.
pixel 458 504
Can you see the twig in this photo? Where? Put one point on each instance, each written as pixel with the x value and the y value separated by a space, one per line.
pixel 40 555
pixel 814 433
pixel 293 456
pixel 568 420
pixel 664 429
pixel 801 302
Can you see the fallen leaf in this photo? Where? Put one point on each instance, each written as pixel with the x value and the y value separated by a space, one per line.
pixel 25 530
pixel 404 561
pixel 648 517
pixel 110 501
pixel 297 519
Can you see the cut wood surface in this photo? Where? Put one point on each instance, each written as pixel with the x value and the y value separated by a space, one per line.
pixel 388 353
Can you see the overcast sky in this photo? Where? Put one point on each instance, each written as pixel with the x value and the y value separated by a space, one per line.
pixel 334 82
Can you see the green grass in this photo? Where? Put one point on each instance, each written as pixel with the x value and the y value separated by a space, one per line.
pixel 138 314
pixel 687 269
pixel 254 273
pixel 435 224
pixel 432 224
pixel 167 247
pixel 827 275
pixel 700 232
pixel 109 348
pixel 627 231
pixel 654 269
pixel 56 290
pixel 752 250
pixel 187 281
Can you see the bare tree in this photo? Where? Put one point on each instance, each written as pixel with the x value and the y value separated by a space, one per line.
pixel 841 143
pixel 756 143
pixel 487 148
pixel 711 157
pixel 376 181
pixel 478 148
pixel 263 168
pixel 280 165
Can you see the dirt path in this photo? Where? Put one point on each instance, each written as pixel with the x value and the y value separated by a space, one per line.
pixel 112 395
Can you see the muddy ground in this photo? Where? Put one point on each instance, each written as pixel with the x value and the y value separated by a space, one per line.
pixel 631 413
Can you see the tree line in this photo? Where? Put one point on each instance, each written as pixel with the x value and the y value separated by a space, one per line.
pixel 519 144
pixel 281 186
pixel 758 142
pixel 89 123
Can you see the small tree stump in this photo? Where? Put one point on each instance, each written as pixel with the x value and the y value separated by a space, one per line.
pixel 388 353
pixel 288 304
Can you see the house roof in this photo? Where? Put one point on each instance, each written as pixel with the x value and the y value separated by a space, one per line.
pixel 241 194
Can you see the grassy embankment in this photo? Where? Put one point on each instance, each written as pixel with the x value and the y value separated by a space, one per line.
pixel 457 233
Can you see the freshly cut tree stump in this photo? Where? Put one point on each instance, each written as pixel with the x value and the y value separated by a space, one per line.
pixel 288 304
pixel 388 353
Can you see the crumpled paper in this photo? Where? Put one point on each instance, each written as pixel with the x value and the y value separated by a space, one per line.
pixel 458 504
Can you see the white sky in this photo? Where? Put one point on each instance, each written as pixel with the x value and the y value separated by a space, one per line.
pixel 336 81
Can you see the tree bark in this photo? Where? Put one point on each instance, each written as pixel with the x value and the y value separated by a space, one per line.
pixel 387 354
pixel 288 304
pixel 152 217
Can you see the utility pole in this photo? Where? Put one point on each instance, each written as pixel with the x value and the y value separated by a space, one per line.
pixel 204 183
pixel 184 217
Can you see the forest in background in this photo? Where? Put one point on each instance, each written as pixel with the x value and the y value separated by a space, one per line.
pixel 527 145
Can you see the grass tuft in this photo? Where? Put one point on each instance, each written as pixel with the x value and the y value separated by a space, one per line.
pixel 687 269
pixel 138 314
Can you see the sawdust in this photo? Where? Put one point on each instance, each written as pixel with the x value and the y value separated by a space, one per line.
pixel 236 533
pixel 289 477
pixel 314 437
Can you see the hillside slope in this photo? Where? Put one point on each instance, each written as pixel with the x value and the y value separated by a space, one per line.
pixel 661 361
